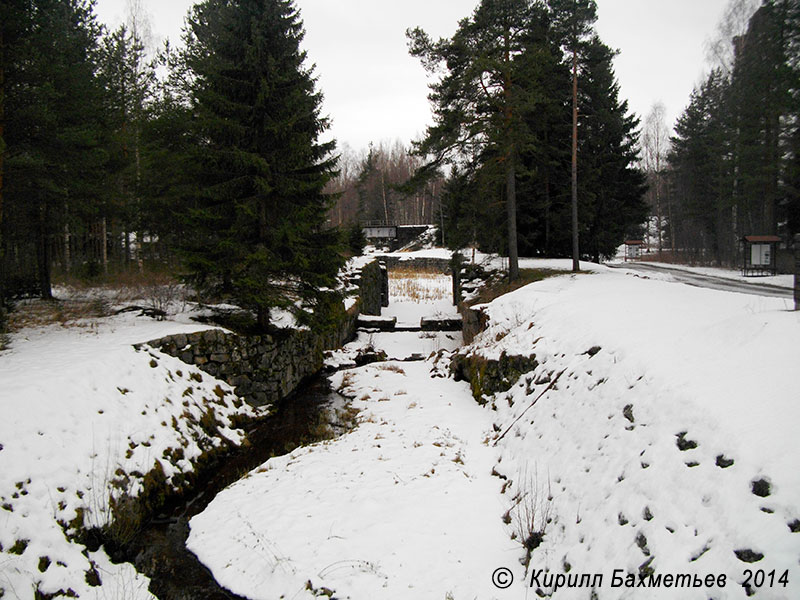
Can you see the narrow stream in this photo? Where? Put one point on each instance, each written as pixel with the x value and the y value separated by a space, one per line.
pixel 159 550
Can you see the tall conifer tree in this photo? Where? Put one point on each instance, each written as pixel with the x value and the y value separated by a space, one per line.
pixel 573 20
pixel 478 104
pixel 53 134
pixel 611 188
pixel 257 226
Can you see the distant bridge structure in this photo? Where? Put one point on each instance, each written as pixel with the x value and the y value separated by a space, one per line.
pixel 392 234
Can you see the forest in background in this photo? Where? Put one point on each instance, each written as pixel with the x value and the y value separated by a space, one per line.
pixel 732 167
pixel 371 186
pixel 115 158
pixel 118 158
pixel 541 150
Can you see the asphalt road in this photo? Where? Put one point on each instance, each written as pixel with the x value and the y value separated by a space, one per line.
pixel 709 281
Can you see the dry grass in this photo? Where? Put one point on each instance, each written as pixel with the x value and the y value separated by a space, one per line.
pixel 156 289
pixel 81 301
pixel 531 509
pixel 67 313
pixel 495 289
pixel 424 285
pixel 393 368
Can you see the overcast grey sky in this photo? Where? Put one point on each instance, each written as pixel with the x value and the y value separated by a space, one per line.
pixel 375 91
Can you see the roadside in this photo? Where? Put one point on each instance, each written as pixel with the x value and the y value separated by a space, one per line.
pixel 778 286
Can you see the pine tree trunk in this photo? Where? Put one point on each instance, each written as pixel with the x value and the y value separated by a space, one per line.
pixel 67 253
pixel 2 155
pixel 43 257
pixel 576 266
pixel 511 175
pixel 103 245
pixel 547 211
pixel 511 205
pixel 658 199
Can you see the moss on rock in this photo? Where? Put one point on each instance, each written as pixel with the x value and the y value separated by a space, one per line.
pixel 490 376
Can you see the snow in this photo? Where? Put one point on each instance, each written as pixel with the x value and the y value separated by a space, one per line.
pixel 82 409
pixel 634 444
pixel 379 512
pixel 617 461
pixel 403 345
pixel 721 367
pixel 440 253
pixel 493 261
pixel 786 281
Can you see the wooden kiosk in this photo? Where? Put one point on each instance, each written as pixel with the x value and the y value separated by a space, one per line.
pixel 633 249
pixel 759 255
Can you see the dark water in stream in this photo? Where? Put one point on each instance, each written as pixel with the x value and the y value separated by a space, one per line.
pixel 159 551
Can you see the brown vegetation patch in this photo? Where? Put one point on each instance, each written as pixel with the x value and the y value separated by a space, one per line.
pixel 500 286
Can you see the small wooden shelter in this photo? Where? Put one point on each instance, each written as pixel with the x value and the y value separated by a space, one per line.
pixel 633 249
pixel 759 254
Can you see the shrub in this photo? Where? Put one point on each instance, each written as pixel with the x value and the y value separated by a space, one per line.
pixel 531 510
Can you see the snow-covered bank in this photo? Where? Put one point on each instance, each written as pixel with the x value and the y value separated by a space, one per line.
pixel 87 419
pixel 378 513
pixel 666 446
pixel 661 443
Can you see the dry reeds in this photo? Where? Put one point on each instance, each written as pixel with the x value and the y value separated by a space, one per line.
pixel 425 285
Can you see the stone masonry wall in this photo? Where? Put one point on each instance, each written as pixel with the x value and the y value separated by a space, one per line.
pixel 370 287
pixel 420 263
pixel 263 368
pixel 473 321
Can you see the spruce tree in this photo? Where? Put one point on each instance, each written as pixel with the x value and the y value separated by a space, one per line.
pixel 257 226
pixel 545 153
pixel 611 187
pixel 53 134
pixel 701 173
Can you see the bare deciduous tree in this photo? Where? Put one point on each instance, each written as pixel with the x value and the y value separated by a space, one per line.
pixel 366 187
pixel 720 49
pixel 655 146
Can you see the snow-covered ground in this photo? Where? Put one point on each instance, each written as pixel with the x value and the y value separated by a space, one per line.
pixel 667 445
pixel 86 417
pixel 414 296
pixel 786 281
pixel 411 297
pixel 394 509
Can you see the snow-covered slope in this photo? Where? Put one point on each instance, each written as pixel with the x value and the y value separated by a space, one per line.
pixel 85 418
pixel 667 445
pixel 669 442
pixel 656 437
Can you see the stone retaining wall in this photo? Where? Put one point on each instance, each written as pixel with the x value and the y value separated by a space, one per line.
pixel 473 321
pixel 442 265
pixel 489 376
pixel 264 368
pixel 373 292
